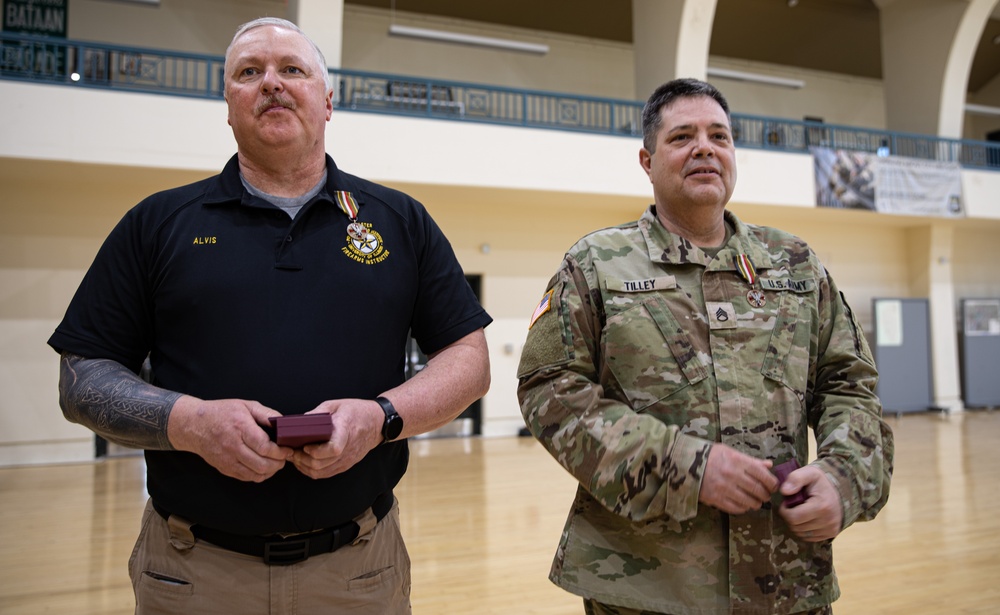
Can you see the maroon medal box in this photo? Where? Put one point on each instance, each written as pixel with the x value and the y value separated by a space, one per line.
pixel 300 429
pixel 782 471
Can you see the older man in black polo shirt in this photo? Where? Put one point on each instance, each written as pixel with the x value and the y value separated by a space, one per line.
pixel 282 286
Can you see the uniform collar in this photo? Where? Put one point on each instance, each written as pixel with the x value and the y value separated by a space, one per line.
pixel 669 248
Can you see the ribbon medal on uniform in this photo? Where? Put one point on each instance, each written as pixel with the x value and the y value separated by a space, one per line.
pixel 364 244
pixel 755 296
pixel 356 230
pixel 347 204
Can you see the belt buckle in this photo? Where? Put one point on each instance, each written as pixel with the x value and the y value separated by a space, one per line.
pixel 286 552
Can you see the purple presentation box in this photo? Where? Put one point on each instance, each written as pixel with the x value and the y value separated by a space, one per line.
pixel 782 471
pixel 300 429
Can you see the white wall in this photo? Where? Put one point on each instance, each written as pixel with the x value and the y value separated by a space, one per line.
pixel 979 191
pixel 608 72
pixel 573 65
pixel 89 125
pixel 973 265
pixel 576 65
pixel 194 26
pixel 836 99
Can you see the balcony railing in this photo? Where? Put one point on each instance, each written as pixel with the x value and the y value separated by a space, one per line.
pixel 48 60
pixel 452 100
pixel 799 136
pixel 96 65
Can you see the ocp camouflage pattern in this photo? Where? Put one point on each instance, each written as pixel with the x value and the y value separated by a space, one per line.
pixel 649 353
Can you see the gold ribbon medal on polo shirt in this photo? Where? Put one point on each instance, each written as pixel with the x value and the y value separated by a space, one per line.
pixel 347 204
pixel 364 244
pixel 755 296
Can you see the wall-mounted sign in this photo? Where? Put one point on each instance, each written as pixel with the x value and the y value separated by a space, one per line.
pixel 40 17
pixel 42 60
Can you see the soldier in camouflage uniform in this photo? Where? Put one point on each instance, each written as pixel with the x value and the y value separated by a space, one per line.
pixel 672 362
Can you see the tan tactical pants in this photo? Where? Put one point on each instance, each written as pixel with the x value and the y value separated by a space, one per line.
pixel 173 573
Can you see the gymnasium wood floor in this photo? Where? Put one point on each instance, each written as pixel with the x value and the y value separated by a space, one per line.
pixel 482 517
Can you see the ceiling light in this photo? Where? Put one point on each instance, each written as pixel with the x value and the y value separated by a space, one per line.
pixel 981 109
pixel 793 3
pixel 739 75
pixel 467 39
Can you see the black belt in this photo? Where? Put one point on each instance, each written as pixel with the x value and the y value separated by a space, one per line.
pixel 278 551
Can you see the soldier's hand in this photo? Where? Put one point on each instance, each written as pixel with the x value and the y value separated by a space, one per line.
pixel 228 434
pixel 736 483
pixel 357 429
pixel 821 516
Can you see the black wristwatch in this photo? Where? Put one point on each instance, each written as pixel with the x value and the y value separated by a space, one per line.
pixel 393 425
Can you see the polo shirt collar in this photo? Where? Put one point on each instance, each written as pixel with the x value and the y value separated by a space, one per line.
pixel 338 181
pixel 228 189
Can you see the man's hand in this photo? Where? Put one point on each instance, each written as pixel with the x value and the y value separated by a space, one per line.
pixel 357 429
pixel 821 516
pixel 228 434
pixel 736 483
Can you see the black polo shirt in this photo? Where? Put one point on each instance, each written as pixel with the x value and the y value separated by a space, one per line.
pixel 232 299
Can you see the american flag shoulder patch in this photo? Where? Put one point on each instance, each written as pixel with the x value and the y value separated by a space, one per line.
pixel 543 306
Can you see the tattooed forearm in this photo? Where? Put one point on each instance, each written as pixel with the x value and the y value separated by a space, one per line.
pixel 106 397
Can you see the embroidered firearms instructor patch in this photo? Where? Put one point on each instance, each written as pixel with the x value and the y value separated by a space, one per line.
pixel 367 247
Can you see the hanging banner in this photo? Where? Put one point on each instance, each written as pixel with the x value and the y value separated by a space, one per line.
pixel 887 184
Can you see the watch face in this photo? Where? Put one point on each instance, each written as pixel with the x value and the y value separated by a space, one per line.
pixel 393 427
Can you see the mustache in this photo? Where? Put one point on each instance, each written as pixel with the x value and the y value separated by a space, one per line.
pixel 274 100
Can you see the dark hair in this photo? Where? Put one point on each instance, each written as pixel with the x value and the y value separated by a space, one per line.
pixel 668 93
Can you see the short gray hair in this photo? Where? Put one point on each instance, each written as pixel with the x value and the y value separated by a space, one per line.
pixel 277 22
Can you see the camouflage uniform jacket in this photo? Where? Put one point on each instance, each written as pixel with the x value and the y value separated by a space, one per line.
pixel 643 352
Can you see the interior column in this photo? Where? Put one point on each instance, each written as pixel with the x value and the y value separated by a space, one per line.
pixel 930 250
pixel 927 52
pixel 323 22
pixel 670 40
